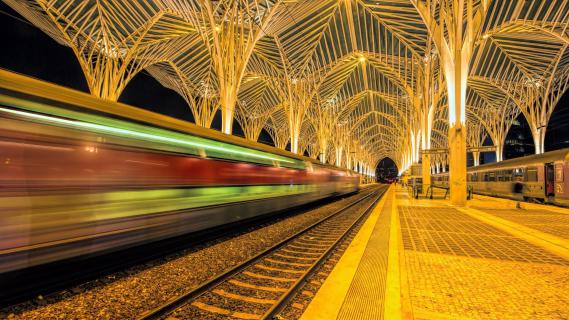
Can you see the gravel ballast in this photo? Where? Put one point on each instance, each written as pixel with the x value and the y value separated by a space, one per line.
pixel 129 293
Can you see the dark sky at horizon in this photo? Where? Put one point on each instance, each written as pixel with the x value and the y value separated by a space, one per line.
pixel 29 51
pixel 386 169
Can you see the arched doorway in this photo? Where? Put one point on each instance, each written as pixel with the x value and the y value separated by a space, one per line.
pixel 557 135
pixel 386 171
pixel 519 141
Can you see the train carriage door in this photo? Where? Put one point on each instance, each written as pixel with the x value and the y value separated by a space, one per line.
pixel 549 180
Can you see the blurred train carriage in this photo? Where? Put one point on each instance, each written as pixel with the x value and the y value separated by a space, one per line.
pixel 79 175
pixel 539 177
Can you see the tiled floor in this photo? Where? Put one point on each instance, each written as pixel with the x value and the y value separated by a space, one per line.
pixel 448 286
pixel 455 265
pixel 554 223
pixel 446 230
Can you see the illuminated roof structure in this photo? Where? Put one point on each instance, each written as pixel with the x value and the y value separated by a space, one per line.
pixel 348 81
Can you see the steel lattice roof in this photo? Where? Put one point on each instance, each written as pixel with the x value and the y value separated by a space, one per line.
pixel 350 80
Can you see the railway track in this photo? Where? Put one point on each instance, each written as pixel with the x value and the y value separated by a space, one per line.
pixel 262 286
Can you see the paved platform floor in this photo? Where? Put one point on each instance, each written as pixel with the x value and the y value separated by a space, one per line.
pixel 424 259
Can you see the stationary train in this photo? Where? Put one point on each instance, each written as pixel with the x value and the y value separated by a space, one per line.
pixel 532 178
pixel 79 175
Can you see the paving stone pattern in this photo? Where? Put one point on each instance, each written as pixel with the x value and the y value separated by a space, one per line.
pixel 554 223
pixel 461 268
pixel 446 230
pixel 446 286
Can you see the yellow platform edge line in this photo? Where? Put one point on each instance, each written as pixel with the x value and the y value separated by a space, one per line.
pixel 551 243
pixel 397 300
pixel 515 204
pixel 328 301
pixel 392 305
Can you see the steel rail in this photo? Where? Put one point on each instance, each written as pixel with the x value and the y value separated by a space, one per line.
pixel 190 295
pixel 286 297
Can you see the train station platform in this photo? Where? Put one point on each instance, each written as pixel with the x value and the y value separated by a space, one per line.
pixel 425 259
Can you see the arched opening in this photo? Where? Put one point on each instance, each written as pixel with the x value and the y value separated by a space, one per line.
pixel 557 135
pixel 237 130
pixel 386 171
pixel 216 122
pixel 488 157
pixel 519 141
pixel 146 92
pixel 484 157
pixel 265 138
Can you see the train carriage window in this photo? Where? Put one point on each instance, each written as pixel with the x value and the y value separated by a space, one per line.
pixel 492 176
pixel 518 174
pixel 507 175
pixel 499 176
pixel 531 174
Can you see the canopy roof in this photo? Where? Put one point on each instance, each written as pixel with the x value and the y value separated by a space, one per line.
pixel 349 81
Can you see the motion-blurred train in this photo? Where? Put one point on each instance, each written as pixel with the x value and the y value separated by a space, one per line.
pixel 538 177
pixel 79 175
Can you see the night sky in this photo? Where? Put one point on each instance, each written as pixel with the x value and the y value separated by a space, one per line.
pixel 29 51
pixel 386 170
